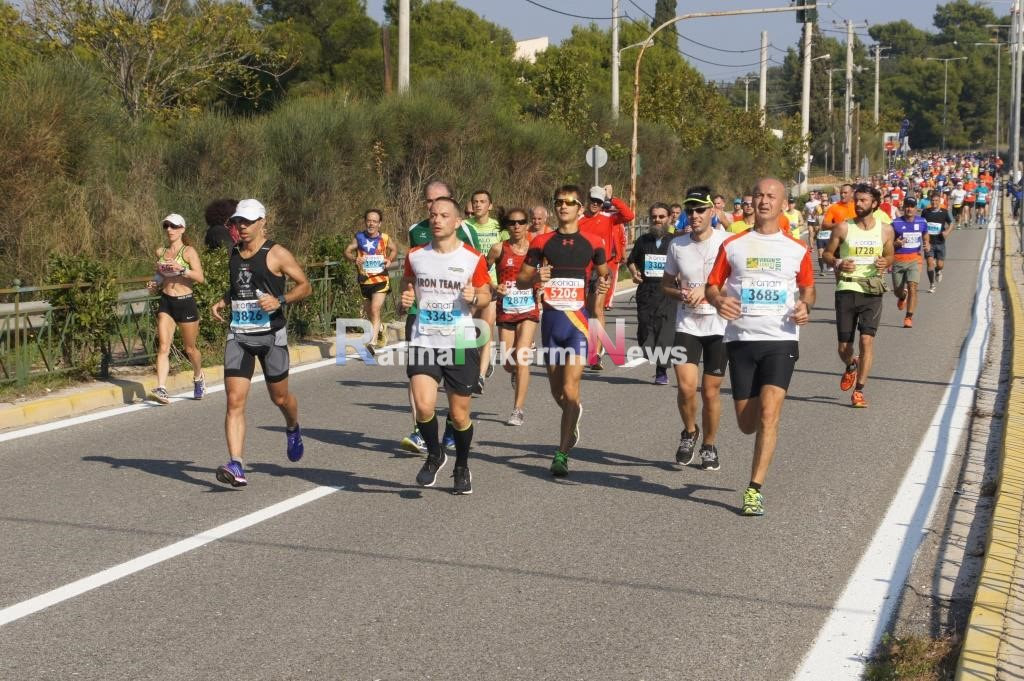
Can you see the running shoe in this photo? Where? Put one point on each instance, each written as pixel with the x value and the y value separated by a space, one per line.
pixel 295 447
pixel 161 396
pixel 849 376
pixel 687 444
pixel 199 387
pixel 931 289
pixel 709 458
pixel 753 502
pixel 370 349
pixel 478 389
pixel 560 464
pixel 448 441
pixel 490 370
pixel 857 399
pixel 431 467
pixel 463 481
pixel 232 474
pixel 908 323
pixel 901 303
pixel 661 378
pixel 938 276
pixel 414 443
pixel 596 366
pixel 516 419
pixel 576 429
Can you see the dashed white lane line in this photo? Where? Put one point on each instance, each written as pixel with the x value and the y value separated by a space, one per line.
pixel 112 574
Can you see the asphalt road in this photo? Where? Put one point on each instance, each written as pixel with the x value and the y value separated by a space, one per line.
pixel 627 569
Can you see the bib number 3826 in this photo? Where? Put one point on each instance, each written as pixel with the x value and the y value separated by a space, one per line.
pixel 247 316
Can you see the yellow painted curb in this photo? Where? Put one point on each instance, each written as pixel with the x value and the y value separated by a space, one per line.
pixel 979 658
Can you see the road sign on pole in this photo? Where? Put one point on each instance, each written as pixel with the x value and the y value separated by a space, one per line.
pixel 596 158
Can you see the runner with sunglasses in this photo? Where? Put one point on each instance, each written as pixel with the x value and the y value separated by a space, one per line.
pixel 561 262
pixel 655 312
pixel 746 219
pixel 178 269
pixel 518 312
pixel 698 330
pixel 258 331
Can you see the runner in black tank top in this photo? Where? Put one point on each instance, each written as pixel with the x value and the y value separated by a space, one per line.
pixel 258 331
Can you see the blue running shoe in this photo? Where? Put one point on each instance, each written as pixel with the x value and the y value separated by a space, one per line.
pixel 199 387
pixel 232 474
pixel 295 446
pixel 448 441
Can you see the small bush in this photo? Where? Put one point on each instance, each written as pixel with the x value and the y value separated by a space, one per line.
pixel 87 313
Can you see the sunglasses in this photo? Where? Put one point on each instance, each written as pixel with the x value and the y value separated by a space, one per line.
pixel 567 202
pixel 699 211
pixel 746 203
pixel 242 222
pixel 523 221
pixel 171 225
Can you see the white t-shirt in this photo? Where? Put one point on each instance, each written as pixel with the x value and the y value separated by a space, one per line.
pixel 439 279
pixel 689 262
pixel 764 271
pixel 957 196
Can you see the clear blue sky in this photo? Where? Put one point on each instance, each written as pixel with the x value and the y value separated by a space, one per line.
pixel 525 20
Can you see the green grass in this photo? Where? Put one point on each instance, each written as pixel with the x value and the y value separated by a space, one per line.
pixel 914 658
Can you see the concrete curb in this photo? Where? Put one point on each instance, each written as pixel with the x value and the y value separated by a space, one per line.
pixel 979 657
pixel 117 392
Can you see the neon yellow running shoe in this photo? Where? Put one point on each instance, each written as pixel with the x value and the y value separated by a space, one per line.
pixel 753 502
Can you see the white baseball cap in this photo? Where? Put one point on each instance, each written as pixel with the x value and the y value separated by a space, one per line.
pixel 175 219
pixel 250 209
pixel 597 193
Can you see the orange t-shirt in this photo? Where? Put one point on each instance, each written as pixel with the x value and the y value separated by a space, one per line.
pixel 839 212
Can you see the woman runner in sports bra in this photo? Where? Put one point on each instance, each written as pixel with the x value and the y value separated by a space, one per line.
pixel 518 312
pixel 178 268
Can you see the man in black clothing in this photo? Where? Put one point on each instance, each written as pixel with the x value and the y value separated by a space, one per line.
pixel 655 312
pixel 940 224
pixel 218 233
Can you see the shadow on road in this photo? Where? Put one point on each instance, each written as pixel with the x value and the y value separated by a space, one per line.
pixel 167 468
pixel 537 468
pixel 350 438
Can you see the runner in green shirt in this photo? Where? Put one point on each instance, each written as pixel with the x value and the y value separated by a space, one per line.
pixel 488 232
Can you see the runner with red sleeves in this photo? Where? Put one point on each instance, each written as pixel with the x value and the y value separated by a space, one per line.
pixel 605 225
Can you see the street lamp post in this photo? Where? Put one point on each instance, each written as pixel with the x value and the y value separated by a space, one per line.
pixel 945 89
pixel 805 109
pixel 615 77
pixel 831 120
pixel 633 156
pixel 999 78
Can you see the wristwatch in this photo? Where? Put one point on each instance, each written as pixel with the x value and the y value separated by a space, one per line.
pixel 281 300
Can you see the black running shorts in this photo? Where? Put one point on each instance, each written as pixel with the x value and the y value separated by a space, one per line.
pixel 711 348
pixel 857 311
pixel 182 309
pixel 459 377
pixel 755 364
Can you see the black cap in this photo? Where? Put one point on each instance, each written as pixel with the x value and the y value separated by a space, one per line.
pixel 909 203
pixel 698 198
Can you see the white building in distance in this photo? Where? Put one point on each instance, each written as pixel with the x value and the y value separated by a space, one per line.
pixel 528 50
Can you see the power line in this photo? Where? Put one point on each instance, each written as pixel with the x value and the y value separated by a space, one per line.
pixel 567 14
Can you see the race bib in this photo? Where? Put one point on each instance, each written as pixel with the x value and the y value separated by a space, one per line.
pixel 912 239
pixel 564 293
pixel 517 300
pixel 373 264
pixel 864 252
pixel 934 228
pixel 654 265
pixel 824 234
pixel 699 308
pixel 169 269
pixel 248 317
pixel 761 297
pixel 438 317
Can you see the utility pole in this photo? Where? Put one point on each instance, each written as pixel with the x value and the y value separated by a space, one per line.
pixel 999 45
pixel 805 110
pixel 385 43
pixel 945 89
pixel 1015 131
pixel 615 60
pixel 746 92
pixel 403 46
pixel 762 86
pixel 848 121
pixel 878 58
pixel 1014 76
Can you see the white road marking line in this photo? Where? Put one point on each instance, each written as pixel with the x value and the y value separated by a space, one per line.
pixel 112 574
pixel 634 363
pixel 862 613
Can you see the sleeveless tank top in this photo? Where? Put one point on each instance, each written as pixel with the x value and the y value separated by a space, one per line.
pixel 864 246
pixel 517 304
pixel 374 250
pixel 250 279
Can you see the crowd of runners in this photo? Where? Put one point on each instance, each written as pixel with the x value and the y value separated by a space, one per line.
pixel 716 291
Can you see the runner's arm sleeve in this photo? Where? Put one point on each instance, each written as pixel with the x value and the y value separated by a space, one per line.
pixel 721 270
